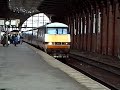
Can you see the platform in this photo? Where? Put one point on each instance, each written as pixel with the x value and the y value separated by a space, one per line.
pixel 27 68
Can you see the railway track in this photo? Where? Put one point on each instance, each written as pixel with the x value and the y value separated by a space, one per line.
pixel 106 74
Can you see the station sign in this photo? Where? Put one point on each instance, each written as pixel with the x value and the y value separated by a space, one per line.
pixel 15 22
pixel 11 22
pixel 2 22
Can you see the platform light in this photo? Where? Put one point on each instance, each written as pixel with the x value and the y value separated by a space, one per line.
pixel 7 23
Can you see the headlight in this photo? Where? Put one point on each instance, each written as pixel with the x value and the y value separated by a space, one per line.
pixel 66 43
pixel 50 43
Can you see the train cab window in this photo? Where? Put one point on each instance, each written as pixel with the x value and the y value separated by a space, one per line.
pixel 65 31
pixel 52 31
pixel 60 31
pixel 57 31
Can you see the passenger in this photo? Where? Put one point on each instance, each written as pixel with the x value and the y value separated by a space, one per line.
pixel 18 36
pixel 4 38
pixel 15 40
pixel 21 39
pixel 12 39
pixel 9 39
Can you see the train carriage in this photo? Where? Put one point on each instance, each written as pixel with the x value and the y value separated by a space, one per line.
pixel 53 38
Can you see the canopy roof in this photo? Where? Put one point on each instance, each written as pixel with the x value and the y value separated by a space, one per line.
pixel 23 9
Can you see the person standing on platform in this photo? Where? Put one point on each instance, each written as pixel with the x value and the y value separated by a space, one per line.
pixel 15 39
pixel 18 38
pixel 21 39
pixel 4 39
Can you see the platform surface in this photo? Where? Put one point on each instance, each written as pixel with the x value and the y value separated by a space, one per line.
pixel 21 68
pixel 27 68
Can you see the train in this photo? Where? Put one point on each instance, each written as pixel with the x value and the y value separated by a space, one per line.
pixel 52 38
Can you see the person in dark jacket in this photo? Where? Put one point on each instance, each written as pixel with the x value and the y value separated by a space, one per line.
pixel 4 39
pixel 15 39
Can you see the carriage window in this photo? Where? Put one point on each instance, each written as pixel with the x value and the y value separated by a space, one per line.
pixel 29 32
pixel 52 31
pixel 35 32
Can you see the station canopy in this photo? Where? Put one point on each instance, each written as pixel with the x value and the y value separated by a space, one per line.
pixel 23 9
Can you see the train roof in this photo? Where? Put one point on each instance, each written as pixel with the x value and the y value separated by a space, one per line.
pixel 56 24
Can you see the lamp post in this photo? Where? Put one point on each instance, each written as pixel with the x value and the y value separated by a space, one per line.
pixel 7 24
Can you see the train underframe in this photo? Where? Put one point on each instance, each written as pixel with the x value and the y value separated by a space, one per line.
pixel 58 52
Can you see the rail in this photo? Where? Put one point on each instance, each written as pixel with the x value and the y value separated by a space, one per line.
pixel 106 74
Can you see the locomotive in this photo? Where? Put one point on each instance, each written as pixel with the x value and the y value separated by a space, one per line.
pixel 53 38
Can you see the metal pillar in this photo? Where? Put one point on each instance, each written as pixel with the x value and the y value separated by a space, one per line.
pixel 7 23
pixel 6 35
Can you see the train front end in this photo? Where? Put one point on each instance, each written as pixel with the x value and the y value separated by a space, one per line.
pixel 57 41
